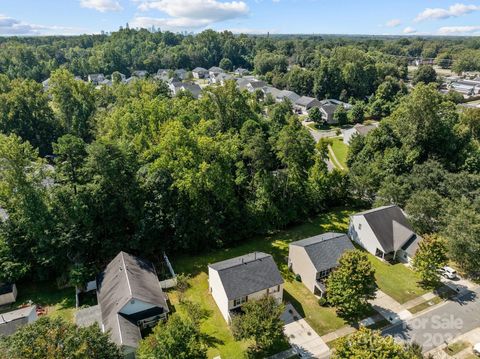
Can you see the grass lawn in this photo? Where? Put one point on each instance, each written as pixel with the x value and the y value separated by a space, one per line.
pixel 214 326
pixel 398 281
pixel 425 305
pixel 57 302
pixel 455 348
pixel 340 150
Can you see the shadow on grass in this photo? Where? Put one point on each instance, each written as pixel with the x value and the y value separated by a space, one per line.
pixel 46 294
pixel 274 243
pixel 287 297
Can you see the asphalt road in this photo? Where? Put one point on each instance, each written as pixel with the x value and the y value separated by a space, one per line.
pixel 442 324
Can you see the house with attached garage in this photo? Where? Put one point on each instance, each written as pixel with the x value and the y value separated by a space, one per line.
pixel 214 71
pixel 253 86
pixel 130 302
pixel 357 130
pixel 199 73
pixel 238 280
pixel 385 232
pixel 314 258
pixel 287 95
pixel 305 103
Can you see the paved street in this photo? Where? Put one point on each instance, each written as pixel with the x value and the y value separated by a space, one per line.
pixel 448 321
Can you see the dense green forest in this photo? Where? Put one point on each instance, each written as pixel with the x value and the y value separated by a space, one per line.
pixel 86 172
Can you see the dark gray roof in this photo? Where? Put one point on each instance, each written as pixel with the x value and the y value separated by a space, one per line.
pixel 292 96
pixel 390 226
pixel 248 274
pixel 10 322
pixel 307 101
pixel 325 249
pixel 127 277
pixel 329 108
pixel 199 69
pixel 215 69
pixel 364 129
pixel 258 84
pixel 6 288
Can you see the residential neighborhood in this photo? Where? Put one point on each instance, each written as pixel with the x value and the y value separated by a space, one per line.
pixel 216 179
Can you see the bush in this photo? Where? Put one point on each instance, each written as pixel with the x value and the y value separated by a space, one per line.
pixel 298 278
pixel 322 301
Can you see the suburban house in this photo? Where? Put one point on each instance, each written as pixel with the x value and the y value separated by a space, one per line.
pixel 221 78
pixel 180 74
pixel 272 91
pixel 305 103
pixel 162 74
pixel 199 73
pixel 241 72
pixel 214 71
pixel 314 258
pixel 95 78
pixel 237 280
pixel 357 130
pixel 385 232
pixel 8 293
pixel 10 322
pixel 242 83
pixel 289 95
pixel 253 86
pixel 130 301
pixel 177 87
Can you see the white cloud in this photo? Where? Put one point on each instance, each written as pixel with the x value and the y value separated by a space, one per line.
pixel 458 30
pixel 11 27
pixel 455 10
pixel 393 23
pixel 189 14
pixel 409 30
pixel 101 5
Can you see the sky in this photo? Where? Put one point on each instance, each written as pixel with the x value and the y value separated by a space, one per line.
pixel 373 17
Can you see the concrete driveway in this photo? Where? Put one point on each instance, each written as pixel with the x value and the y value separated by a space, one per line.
pixel 306 342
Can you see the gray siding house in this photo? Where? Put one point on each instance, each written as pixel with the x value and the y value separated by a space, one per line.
pixel 313 259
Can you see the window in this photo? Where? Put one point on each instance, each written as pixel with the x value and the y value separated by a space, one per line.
pixel 239 301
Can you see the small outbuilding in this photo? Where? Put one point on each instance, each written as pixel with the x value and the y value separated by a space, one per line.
pixel 8 293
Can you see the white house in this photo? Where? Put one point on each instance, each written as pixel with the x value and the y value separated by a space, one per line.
pixel 384 232
pixel 314 258
pixel 8 293
pixel 235 281
pixel 199 73
pixel 305 103
pixel 287 95
pixel 10 322
pixel 214 71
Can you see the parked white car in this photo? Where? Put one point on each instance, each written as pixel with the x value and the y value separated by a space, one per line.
pixel 448 272
pixel 476 349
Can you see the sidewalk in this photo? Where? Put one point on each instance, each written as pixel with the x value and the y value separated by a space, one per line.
pixel 389 308
pixel 301 336
pixel 472 337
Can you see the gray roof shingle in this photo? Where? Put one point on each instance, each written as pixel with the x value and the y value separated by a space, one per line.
pixel 325 249
pixel 248 274
pixel 126 278
pixel 390 226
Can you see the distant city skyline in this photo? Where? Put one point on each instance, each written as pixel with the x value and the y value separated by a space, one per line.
pixel 408 17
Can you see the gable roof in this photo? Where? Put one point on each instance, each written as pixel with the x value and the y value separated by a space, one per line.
pixel 247 274
pixel 271 90
pixel 126 278
pixel 199 69
pixel 306 101
pixel 215 69
pixel 258 84
pixel 292 96
pixel 325 249
pixel 389 225
pixel 329 108
pixel 364 129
